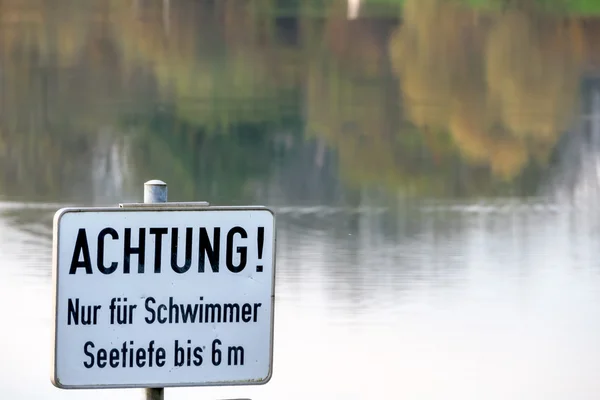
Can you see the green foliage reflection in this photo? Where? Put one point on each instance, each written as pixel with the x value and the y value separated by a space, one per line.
pixel 414 101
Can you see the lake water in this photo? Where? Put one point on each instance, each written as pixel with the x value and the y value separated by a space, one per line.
pixel 434 169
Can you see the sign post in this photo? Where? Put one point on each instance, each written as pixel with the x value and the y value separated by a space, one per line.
pixel 155 191
pixel 156 294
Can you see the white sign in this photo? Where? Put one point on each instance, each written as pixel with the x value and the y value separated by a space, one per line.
pixel 161 297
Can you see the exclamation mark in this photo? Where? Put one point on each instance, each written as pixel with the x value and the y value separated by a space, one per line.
pixel 260 239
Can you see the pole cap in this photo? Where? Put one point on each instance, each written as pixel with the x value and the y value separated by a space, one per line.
pixel 155 191
pixel 155 182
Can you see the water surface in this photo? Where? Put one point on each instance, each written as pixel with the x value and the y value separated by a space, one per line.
pixel 433 166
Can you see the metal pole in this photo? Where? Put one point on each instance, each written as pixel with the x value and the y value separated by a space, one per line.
pixel 155 191
pixel 155 393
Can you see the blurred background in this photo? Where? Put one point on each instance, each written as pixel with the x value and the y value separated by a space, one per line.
pixel 434 166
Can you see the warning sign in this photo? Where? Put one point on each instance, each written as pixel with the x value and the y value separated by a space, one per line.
pixel 168 297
